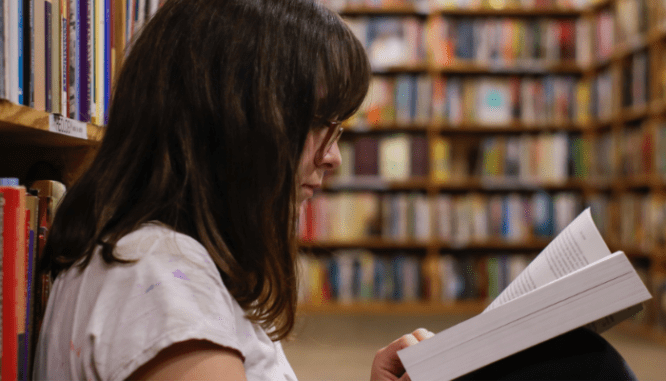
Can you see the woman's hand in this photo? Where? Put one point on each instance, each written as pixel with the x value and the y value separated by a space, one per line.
pixel 387 365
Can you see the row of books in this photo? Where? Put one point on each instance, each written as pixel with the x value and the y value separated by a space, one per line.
pixel 436 5
pixel 398 41
pixel 507 42
pixel 59 55
pixel 357 275
pixel 642 221
pixel 639 151
pixel 525 159
pixel 137 13
pixel 529 158
pixel 421 99
pixel 25 219
pixel 456 219
pixel 391 157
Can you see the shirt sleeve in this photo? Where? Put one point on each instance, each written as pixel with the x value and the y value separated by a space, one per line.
pixel 173 293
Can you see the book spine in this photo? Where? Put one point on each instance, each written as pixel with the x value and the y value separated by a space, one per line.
pixel 21 68
pixel 108 30
pixel 39 68
pixel 13 288
pixel 29 54
pixel 48 57
pixel 64 59
pixel 83 81
pixel 72 60
pixel 56 57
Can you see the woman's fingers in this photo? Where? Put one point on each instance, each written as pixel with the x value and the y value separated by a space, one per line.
pixel 422 334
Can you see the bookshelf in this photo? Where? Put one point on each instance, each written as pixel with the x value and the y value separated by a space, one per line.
pixel 614 133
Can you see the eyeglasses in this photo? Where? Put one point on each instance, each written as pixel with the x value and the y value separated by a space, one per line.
pixel 332 135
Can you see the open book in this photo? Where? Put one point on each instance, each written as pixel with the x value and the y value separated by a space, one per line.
pixel 575 281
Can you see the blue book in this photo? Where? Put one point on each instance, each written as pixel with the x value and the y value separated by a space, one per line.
pixel 465 41
pixel 397 275
pixel 21 99
pixel 333 274
pixel 543 211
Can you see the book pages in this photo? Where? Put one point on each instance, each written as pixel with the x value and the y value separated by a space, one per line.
pixel 578 245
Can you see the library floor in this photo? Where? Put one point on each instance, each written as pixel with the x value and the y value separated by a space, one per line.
pixel 341 348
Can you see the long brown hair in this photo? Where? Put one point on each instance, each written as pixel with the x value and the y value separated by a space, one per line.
pixel 208 120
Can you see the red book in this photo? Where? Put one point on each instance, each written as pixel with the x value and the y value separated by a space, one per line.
pixel 13 280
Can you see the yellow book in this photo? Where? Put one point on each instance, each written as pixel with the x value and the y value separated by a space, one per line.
pixel 440 160
pixel 583 101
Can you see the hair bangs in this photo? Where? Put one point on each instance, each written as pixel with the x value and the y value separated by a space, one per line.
pixel 344 76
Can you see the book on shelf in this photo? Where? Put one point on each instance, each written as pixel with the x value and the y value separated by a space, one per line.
pixel 14 282
pixel 575 281
pixel 24 218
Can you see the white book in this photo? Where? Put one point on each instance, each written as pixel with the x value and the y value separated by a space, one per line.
pixel 574 282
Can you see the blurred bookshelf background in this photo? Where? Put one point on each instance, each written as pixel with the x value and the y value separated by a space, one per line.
pixel 488 127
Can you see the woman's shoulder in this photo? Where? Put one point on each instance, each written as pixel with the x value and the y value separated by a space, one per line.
pixel 159 241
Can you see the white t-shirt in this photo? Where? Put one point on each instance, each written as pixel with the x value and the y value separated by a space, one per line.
pixel 106 321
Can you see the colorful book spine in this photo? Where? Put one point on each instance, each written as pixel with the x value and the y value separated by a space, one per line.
pixel 13 284
pixel 21 68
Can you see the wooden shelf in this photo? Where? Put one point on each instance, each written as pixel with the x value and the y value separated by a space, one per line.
pixel 516 127
pixel 510 12
pixel 501 185
pixel 514 68
pixel 394 10
pixel 393 308
pixel 410 10
pixel 21 125
pixel 475 68
pixel 27 143
pixel 493 244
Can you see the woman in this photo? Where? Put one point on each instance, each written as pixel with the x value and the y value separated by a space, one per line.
pixel 174 254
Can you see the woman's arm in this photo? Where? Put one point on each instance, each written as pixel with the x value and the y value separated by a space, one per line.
pixel 193 360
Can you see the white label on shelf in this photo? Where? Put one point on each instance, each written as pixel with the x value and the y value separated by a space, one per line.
pixel 66 126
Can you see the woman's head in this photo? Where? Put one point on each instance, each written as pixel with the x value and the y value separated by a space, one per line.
pixel 210 115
